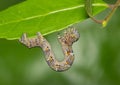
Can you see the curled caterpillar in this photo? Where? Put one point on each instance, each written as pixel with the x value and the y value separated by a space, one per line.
pixel 70 36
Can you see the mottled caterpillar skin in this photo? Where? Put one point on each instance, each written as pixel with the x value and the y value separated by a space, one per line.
pixel 70 36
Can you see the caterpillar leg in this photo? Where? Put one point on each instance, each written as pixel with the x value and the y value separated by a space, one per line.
pixel 24 40
pixel 28 42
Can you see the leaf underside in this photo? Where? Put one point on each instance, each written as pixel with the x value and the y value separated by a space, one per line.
pixel 45 16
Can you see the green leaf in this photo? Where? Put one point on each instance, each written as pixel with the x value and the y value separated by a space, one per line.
pixel 45 16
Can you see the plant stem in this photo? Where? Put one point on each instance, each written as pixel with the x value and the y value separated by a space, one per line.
pixel 107 18
pixel 114 7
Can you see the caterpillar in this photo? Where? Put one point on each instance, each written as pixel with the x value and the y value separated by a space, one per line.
pixel 70 36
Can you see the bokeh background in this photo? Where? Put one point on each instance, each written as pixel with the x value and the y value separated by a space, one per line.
pixel 97 58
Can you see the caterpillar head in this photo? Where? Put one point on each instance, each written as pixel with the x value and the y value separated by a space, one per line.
pixel 74 34
pixel 71 36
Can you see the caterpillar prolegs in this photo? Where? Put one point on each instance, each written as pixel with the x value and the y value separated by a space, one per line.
pixel 70 36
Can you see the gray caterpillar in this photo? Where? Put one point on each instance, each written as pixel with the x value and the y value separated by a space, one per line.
pixel 70 36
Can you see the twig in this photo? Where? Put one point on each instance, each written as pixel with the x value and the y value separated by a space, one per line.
pixel 107 18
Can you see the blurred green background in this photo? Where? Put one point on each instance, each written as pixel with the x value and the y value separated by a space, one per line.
pixel 97 58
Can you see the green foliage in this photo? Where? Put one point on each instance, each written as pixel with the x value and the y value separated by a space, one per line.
pixel 97 53
pixel 45 16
